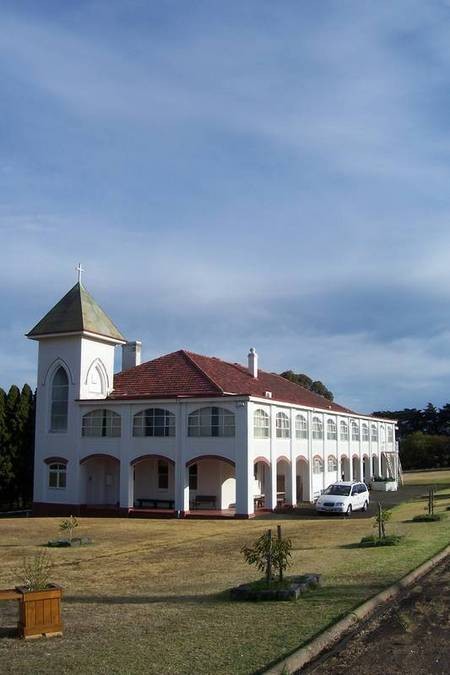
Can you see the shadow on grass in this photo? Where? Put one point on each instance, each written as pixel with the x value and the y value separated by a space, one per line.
pixel 8 632
pixel 351 595
pixel 144 599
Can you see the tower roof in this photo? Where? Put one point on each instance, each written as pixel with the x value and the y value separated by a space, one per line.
pixel 76 312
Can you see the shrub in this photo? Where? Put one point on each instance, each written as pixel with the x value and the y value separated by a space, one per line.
pixel 35 572
pixel 427 518
pixel 68 525
pixel 373 540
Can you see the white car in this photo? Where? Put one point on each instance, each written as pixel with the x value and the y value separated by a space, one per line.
pixel 344 497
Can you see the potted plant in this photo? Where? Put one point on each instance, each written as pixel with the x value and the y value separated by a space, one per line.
pixel 40 603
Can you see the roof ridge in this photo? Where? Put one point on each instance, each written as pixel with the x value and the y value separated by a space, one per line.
pixel 189 357
pixel 242 369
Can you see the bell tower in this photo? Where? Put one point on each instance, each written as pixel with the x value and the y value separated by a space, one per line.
pixel 77 341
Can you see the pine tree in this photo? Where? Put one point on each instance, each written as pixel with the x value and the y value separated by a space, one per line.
pixel 6 464
pixel 24 423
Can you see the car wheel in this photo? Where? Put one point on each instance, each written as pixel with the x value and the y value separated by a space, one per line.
pixel 366 506
pixel 349 511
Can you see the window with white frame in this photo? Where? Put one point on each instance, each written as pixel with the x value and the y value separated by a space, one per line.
pixel 317 465
pixel 332 463
pixel 57 475
pixel 390 434
pixel 317 428
pixel 282 425
pixel 261 424
pixel 101 422
pixel 211 421
pixel 60 401
pixel 301 427
pixel 382 435
pixel 343 430
pixel 365 433
pixel 355 432
pixel 154 422
pixel 331 430
pixel 374 433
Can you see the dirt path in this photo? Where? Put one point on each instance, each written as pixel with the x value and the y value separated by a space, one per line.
pixel 412 637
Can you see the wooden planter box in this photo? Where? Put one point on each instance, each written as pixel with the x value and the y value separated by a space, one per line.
pixel 40 612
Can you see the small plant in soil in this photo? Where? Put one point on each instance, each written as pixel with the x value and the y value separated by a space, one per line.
pixel 36 571
pixel 68 526
pixel 381 538
pixel 269 555
pixel 430 516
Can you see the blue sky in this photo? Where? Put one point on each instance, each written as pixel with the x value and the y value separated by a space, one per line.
pixel 235 174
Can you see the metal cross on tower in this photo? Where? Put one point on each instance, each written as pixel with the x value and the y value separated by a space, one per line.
pixel 79 269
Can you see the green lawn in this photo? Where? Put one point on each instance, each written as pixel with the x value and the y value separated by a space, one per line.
pixel 150 595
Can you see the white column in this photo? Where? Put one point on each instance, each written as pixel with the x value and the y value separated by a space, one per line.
pixel 361 461
pixel 350 450
pixel 126 470
pixel 244 460
pixel 181 470
pixel 324 452
pixel 310 458
pixel 292 479
pixel 271 494
pixel 370 453
pixel 126 485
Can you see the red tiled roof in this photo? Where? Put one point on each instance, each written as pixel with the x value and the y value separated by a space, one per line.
pixel 186 374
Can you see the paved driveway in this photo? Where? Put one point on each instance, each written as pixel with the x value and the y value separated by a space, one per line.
pixel 403 494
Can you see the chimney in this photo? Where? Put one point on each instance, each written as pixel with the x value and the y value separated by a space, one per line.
pixel 131 354
pixel 253 362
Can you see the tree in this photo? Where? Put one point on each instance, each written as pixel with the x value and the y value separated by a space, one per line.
pixel 269 554
pixel 319 388
pixel 304 381
pixel 16 445
pixel 430 420
pixel 5 463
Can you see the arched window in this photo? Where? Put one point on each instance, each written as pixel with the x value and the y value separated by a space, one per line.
pixel 57 475
pixel 154 422
pixel 331 430
pixel 211 421
pixel 282 425
pixel 332 463
pixel 344 430
pixel 101 423
pixel 301 427
pixel 365 433
pixel 60 401
pixel 317 428
pixel 355 432
pixel 374 433
pixel 318 465
pixel 390 433
pixel 261 424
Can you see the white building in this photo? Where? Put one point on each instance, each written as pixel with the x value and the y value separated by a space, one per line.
pixel 183 431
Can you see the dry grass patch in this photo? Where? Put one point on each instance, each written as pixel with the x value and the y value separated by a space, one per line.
pixel 150 595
